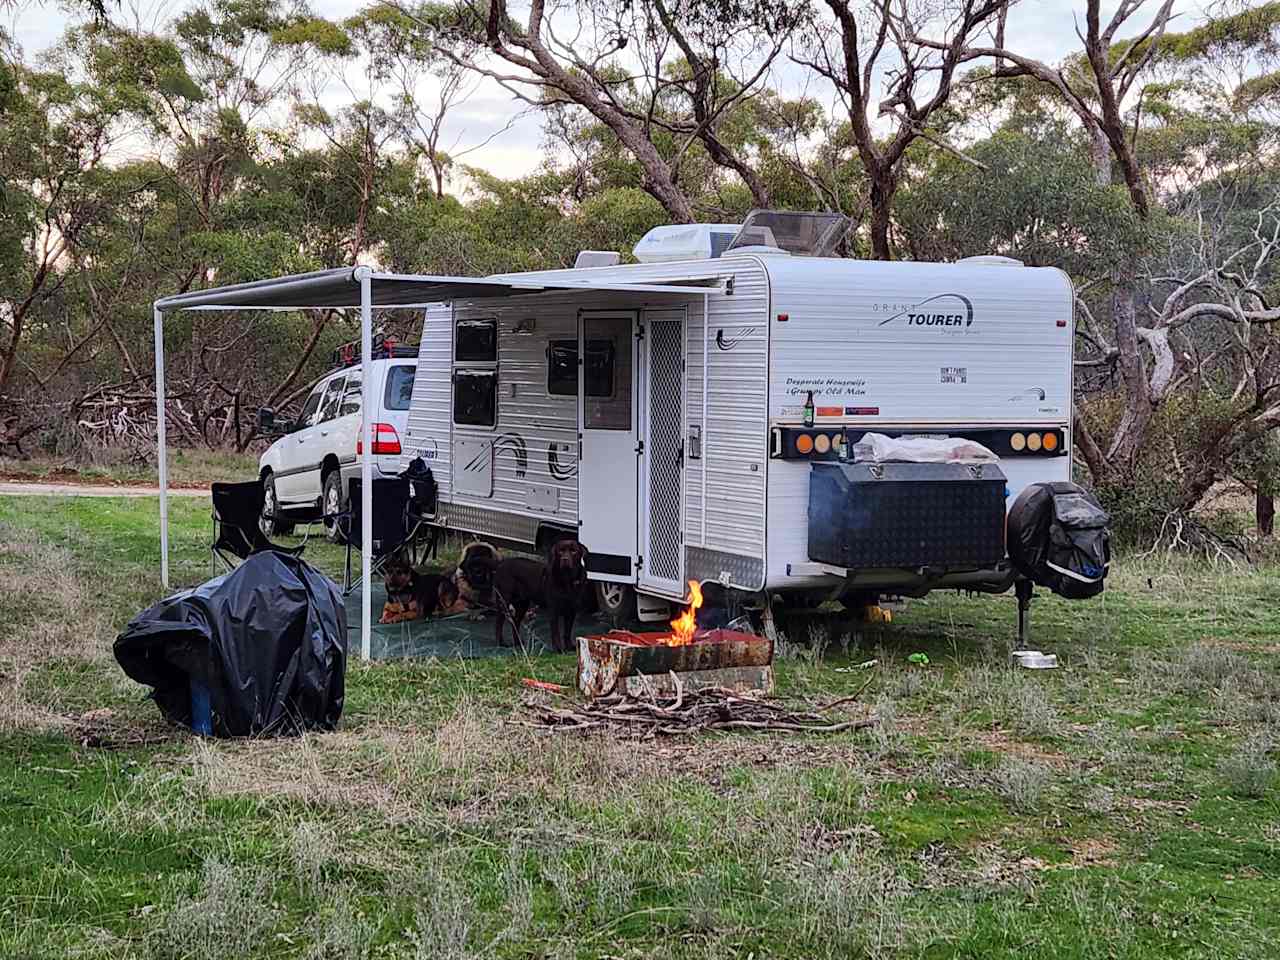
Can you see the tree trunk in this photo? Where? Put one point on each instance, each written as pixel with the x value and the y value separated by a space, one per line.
pixel 243 443
pixel 883 184
pixel 1100 147
pixel 1131 435
pixel 9 357
pixel 1265 511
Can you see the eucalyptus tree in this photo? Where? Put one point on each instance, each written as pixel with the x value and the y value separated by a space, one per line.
pixel 663 76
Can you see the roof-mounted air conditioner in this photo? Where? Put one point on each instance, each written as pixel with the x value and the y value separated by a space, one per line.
pixel 685 241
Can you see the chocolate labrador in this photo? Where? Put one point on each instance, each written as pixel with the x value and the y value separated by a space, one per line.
pixel 517 585
pixel 565 583
pixel 520 582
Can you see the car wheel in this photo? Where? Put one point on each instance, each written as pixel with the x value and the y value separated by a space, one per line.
pixel 617 601
pixel 333 506
pixel 272 522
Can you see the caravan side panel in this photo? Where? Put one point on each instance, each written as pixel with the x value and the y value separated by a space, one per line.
pixel 521 473
pixel 726 540
pixel 427 435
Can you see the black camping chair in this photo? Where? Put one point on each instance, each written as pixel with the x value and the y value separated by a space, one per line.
pixel 402 517
pixel 237 510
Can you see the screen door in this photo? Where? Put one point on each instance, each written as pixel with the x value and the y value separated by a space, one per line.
pixel 662 463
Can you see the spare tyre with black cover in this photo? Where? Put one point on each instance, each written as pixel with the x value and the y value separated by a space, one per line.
pixel 1058 538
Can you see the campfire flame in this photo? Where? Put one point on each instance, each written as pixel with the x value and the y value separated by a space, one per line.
pixel 683 626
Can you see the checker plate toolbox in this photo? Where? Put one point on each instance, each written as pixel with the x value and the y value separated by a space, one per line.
pixel 872 516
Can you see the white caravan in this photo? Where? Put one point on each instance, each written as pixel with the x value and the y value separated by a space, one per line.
pixel 668 430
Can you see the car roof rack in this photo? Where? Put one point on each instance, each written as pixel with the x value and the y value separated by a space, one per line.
pixel 387 348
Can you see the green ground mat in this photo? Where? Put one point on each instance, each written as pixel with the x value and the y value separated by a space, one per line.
pixel 456 636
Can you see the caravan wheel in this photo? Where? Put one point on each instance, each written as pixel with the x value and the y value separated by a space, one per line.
pixel 617 601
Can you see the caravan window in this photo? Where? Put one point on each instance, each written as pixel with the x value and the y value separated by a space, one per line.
pixel 475 397
pixel 562 368
pixel 476 341
pixel 607 372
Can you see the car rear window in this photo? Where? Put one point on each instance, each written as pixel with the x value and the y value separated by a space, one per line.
pixel 399 389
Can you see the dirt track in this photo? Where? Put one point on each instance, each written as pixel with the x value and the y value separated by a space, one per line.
pixel 34 489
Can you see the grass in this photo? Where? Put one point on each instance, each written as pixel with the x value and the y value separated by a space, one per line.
pixel 187 468
pixel 1122 806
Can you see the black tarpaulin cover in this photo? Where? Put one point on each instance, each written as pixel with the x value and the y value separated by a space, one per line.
pixel 269 639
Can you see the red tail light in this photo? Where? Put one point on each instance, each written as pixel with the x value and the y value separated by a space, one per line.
pixel 385 440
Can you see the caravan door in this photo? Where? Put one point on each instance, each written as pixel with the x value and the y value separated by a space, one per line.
pixel 607 463
pixel 662 464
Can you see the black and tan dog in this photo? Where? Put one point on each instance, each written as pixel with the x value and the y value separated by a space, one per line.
pixel 557 584
pixel 412 595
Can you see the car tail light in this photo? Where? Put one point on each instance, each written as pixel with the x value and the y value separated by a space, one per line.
pixel 385 440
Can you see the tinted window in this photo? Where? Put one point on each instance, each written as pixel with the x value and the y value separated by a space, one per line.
pixel 307 416
pixel 350 396
pixel 476 341
pixel 475 397
pixel 599 368
pixel 607 373
pixel 399 389
pixel 562 368
pixel 332 397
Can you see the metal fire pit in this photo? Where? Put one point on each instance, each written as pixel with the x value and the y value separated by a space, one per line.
pixel 635 664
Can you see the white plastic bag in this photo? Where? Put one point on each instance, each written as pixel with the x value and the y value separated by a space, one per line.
pixel 877 448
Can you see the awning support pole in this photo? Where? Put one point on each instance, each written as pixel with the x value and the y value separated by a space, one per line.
pixel 162 455
pixel 364 274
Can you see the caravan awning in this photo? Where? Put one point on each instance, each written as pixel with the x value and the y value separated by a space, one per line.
pixel 362 287
pixel 341 288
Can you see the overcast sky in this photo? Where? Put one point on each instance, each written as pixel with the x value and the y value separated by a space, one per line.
pixel 489 123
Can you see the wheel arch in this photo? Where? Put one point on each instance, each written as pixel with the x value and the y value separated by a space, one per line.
pixel 327 466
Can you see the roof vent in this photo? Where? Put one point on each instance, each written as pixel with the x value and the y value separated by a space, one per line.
pixel 992 261
pixel 791 231
pixel 597 258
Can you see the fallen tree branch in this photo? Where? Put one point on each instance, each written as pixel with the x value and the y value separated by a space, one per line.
pixel 689 711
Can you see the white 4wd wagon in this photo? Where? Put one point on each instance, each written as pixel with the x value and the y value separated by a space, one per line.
pixel 305 472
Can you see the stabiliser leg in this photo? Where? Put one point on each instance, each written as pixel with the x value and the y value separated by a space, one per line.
pixel 1022 589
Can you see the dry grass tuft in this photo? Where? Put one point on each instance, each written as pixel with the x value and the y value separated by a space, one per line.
pixel 443 920
pixel 228 919
pixel 1022 783
pixel 1249 771
pixel 342 932
pixel 48 613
